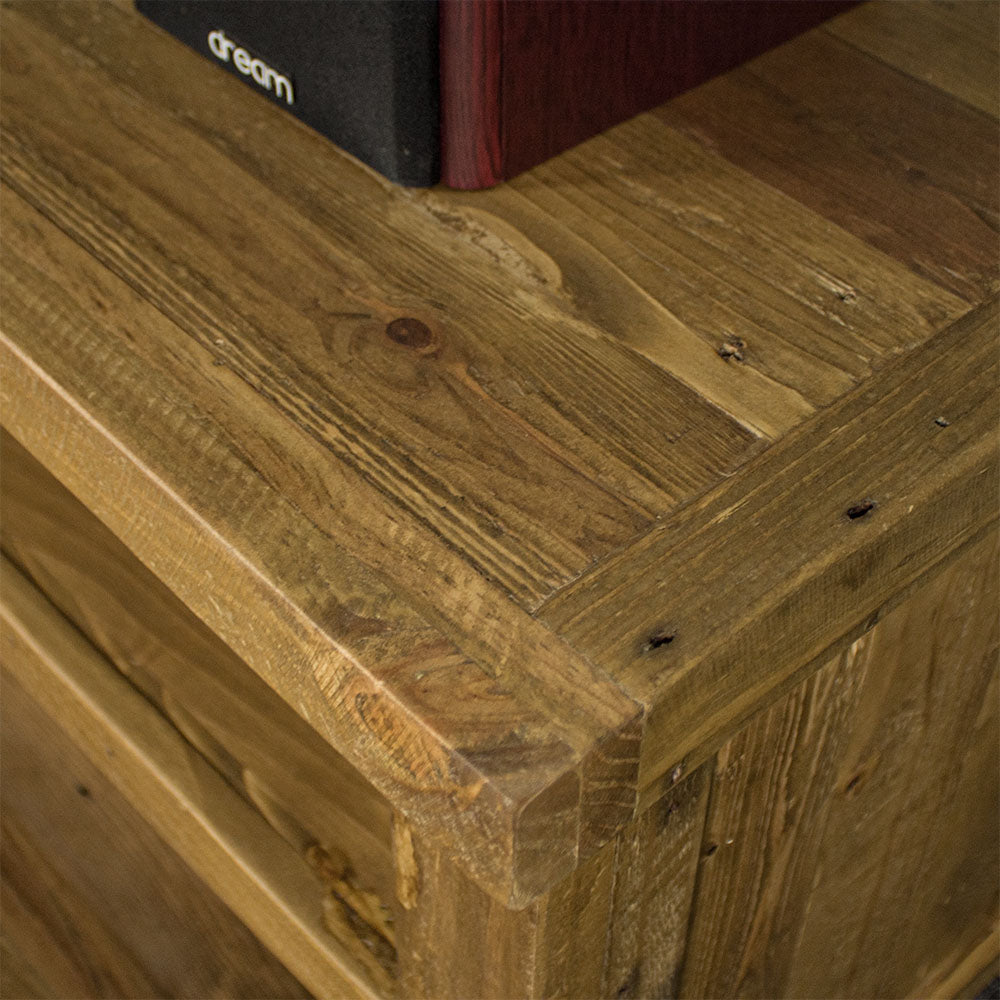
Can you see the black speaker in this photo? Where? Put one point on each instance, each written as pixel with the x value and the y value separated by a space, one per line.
pixel 362 72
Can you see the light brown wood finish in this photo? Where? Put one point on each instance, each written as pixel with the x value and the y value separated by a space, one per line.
pixel 335 632
pixel 866 790
pixel 461 409
pixel 899 163
pixel 531 562
pixel 225 841
pixel 282 550
pixel 310 794
pixel 615 927
pixel 962 57
pixel 677 254
pixel 94 902
pixel 703 578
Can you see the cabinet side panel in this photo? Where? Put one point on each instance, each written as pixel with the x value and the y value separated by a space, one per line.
pixel 909 861
pixel 94 902
pixel 851 842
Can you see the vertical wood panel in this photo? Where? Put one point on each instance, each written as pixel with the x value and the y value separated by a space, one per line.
pixel 851 842
pixel 908 870
pixel 94 903
pixel 616 927
pixel 655 878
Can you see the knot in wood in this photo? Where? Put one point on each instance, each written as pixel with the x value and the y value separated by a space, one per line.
pixel 409 332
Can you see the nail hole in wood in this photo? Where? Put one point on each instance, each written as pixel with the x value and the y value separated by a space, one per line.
pixel 853 783
pixel 860 509
pixel 659 639
pixel 83 791
pixel 710 849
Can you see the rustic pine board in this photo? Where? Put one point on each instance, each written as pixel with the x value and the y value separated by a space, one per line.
pixel 837 816
pixel 525 501
pixel 239 857
pixel 80 920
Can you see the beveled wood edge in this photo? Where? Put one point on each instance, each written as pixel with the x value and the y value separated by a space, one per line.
pixel 515 842
pixel 246 863
pixel 563 805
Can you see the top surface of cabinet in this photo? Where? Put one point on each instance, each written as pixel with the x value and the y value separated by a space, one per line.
pixel 523 498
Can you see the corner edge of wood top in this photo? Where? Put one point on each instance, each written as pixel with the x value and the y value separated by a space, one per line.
pixel 879 526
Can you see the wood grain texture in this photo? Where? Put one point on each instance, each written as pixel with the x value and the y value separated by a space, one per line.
pixel 277 762
pixel 240 858
pixel 916 489
pixel 896 161
pixel 872 789
pixel 95 904
pixel 524 501
pixel 324 511
pixel 950 45
pixel 771 793
pixel 469 444
pixel 615 927
pixel 571 70
pixel 918 796
pixel 743 293
pixel 471 43
pixel 322 608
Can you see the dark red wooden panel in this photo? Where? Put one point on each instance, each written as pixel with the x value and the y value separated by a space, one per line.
pixel 469 60
pixel 568 69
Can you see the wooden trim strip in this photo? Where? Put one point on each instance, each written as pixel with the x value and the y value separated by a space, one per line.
pixel 257 874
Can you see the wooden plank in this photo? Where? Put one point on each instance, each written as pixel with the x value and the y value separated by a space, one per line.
pixel 454 940
pixel 895 161
pixel 197 501
pixel 707 617
pixel 466 425
pixel 771 792
pixel 872 789
pixel 615 927
pixel 911 844
pixel 95 904
pixel 646 921
pixel 952 46
pixel 268 753
pixel 256 873
pixel 676 253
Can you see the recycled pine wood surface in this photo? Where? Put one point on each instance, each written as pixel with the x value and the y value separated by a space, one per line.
pixel 136 922
pixel 234 851
pixel 526 500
